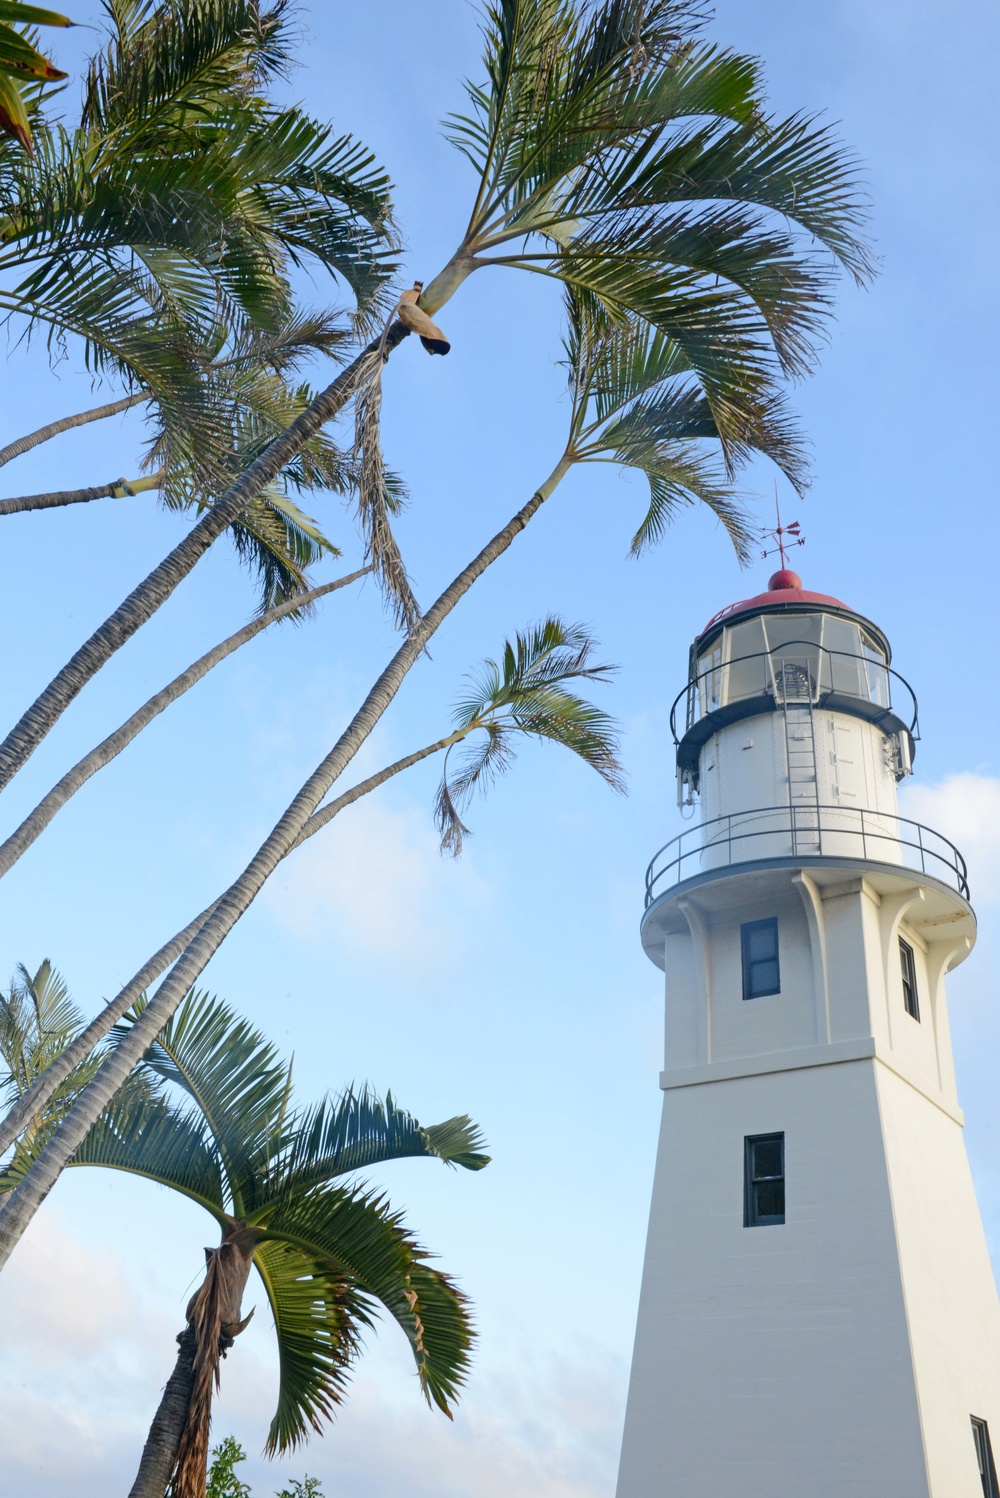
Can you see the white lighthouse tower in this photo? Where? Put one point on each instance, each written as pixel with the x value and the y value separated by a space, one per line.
pixel 818 1316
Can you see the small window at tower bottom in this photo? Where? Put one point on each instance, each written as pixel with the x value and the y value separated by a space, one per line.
pixel 763 1180
pixel 984 1456
pixel 908 967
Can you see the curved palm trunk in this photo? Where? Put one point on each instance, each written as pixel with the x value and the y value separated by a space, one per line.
pixel 159 1455
pixel 66 423
pixel 37 820
pixel 24 1202
pixel 44 1086
pixel 117 489
pixel 143 602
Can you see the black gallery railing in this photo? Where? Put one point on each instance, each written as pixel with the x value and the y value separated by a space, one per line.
pixel 804 832
pixel 824 672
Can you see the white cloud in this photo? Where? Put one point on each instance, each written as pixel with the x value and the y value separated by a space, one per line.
pixel 375 882
pixel 966 808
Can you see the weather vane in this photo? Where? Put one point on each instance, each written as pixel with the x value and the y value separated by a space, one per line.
pixel 779 534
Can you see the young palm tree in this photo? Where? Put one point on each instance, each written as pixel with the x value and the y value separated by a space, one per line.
pixel 617 153
pixel 210 1114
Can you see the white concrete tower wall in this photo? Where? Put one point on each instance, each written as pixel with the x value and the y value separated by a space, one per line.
pixel 845 1349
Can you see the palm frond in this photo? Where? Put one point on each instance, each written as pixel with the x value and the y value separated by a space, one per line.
pixel 358 1130
pixel 375 500
pixel 526 693
pixel 358 1237
pixel 233 1076
pixel 318 1319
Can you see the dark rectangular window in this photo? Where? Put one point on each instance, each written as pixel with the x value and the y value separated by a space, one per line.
pixel 759 940
pixel 984 1456
pixel 764 1180
pixel 909 971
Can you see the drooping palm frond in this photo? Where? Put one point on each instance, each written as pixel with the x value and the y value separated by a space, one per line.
pixel 525 693
pixel 376 499
pixel 619 153
pixel 636 404
pixel 359 1237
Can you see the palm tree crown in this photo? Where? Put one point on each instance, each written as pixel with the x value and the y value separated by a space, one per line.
pixel 210 1113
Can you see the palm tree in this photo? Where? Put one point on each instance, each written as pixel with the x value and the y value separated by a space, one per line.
pixel 210 1114
pixel 617 153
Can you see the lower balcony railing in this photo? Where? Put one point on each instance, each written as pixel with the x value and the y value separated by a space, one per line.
pixel 804 832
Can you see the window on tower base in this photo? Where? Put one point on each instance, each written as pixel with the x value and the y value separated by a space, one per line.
pixel 984 1456
pixel 763 1180
pixel 759 942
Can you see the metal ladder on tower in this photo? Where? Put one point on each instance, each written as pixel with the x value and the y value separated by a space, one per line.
pixel 800 756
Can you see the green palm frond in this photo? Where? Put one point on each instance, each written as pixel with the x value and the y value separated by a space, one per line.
pixel 318 1318
pixel 279 542
pixel 232 1074
pixel 21 64
pixel 526 693
pixel 634 162
pixel 357 1236
pixel 38 1019
pixel 142 1133
pixel 358 1130
pixel 185 199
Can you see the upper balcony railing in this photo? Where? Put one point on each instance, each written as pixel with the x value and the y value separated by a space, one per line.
pixel 770 832
pixel 825 674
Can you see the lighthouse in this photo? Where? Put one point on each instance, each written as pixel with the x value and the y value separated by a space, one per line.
pixel 818 1316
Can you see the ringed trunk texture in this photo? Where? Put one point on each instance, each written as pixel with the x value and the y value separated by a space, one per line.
pixel 117 489
pixel 66 423
pixel 143 602
pixel 159 1455
pixel 23 1203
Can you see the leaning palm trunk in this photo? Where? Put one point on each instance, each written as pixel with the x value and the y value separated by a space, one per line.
pixel 42 1090
pixel 66 423
pixel 143 602
pixel 159 1455
pixel 23 1203
pixel 57 499
pixel 37 820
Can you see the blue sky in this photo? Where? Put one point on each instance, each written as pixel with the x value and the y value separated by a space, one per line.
pixel 510 985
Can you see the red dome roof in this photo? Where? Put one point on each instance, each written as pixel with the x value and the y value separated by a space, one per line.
pixel 784 587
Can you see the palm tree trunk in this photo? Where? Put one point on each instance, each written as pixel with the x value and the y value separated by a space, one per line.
pixel 159 1455
pixel 178 1436
pixel 37 820
pixel 143 602
pixel 60 497
pixel 66 423
pixel 23 1203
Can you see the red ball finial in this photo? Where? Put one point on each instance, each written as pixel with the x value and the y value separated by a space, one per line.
pixel 785 578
